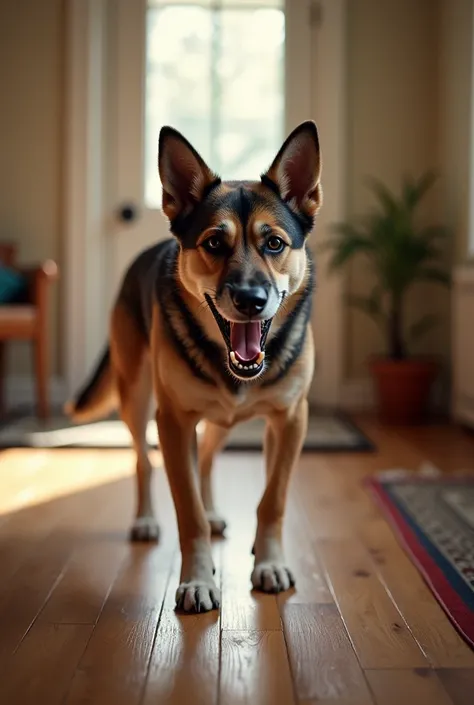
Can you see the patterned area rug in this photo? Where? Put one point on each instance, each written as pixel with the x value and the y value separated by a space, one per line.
pixel 325 433
pixel 434 518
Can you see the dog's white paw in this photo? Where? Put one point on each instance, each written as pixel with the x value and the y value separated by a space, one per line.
pixel 145 529
pixel 270 576
pixel 198 596
pixel 218 524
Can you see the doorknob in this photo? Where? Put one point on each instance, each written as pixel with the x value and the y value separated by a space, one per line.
pixel 128 213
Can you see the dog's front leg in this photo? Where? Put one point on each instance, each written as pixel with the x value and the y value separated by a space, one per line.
pixel 283 448
pixel 197 591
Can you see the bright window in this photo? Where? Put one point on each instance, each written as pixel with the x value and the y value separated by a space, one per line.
pixel 215 71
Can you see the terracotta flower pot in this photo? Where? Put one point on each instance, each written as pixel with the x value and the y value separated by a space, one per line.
pixel 403 388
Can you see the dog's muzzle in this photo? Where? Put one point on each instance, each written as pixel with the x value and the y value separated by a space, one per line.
pixel 245 343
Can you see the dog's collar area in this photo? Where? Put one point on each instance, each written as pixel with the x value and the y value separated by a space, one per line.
pixel 238 364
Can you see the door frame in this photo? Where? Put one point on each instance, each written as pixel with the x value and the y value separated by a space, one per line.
pixel 87 209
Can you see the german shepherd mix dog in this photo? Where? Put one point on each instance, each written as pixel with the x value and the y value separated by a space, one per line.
pixel 216 321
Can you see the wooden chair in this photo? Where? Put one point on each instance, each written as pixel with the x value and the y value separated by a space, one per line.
pixel 28 321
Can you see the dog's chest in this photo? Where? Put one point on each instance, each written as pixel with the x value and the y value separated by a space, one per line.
pixel 225 407
pixel 227 410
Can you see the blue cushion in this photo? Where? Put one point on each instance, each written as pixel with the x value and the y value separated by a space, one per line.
pixel 12 285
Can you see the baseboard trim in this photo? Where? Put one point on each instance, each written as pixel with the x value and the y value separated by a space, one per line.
pixel 20 391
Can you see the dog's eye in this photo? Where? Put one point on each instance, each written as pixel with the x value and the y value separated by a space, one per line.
pixel 214 245
pixel 275 244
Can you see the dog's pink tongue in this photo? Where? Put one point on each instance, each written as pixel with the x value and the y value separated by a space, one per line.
pixel 245 339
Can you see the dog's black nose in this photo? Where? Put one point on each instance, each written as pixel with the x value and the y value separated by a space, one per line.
pixel 249 299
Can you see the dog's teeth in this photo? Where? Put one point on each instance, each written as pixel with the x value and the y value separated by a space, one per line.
pixel 249 365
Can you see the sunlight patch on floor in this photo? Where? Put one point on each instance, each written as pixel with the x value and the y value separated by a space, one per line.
pixel 33 479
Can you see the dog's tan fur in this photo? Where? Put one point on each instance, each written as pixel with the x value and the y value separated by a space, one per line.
pixel 182 400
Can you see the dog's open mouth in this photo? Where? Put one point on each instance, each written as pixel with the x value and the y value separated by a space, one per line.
pixel 245 343
pixel 247 347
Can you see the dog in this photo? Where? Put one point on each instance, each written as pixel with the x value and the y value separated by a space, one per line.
pixel 213 324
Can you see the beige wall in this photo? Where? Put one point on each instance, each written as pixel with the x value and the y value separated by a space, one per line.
pixel 393 104
pixel 30 129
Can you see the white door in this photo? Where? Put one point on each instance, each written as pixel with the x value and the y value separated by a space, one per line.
pixel 235 76
pixel 213 70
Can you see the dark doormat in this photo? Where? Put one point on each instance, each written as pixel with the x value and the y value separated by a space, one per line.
pixel 325 433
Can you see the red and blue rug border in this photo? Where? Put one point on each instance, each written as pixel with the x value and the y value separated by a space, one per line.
pixel 422 551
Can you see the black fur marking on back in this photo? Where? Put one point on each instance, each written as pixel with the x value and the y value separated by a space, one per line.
pixel 138 283
pixel 282 340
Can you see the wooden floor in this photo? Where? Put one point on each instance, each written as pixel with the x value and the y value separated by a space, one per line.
pixel 87 618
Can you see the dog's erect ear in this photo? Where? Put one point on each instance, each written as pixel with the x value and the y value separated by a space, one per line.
pixel 184 175
pixel 296 170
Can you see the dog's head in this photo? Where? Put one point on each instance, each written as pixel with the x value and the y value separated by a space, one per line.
pixel 243 244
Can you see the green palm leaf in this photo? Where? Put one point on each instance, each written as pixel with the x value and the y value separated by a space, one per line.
pixel 414 190
pixel 387 200
pixel 399 252
pixel 349 241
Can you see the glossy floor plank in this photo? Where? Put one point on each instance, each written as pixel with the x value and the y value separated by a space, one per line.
pixel 42 668
pixel 255 669
pixel 381 637
pixel 87 618
pixel 185 657
pixel 323 662
pixel 459 684
pixel 418 686
pixel 429 624
pixel 114 665
pixel 240 485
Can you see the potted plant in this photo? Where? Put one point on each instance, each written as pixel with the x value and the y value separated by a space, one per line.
pixel 400 253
